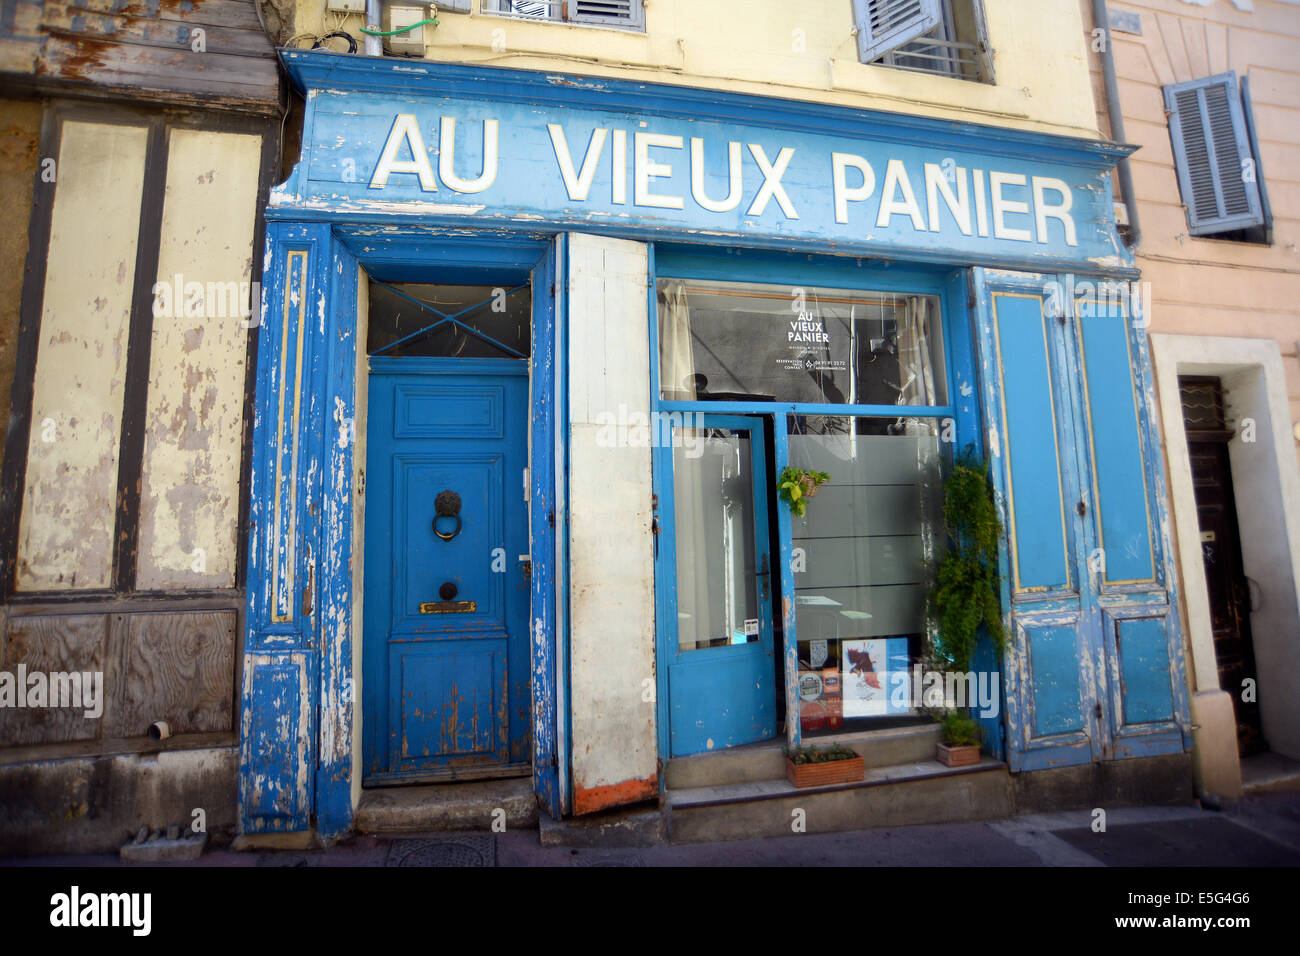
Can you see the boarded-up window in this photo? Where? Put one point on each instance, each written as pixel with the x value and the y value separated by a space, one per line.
pixel 189 501
pixel 66 532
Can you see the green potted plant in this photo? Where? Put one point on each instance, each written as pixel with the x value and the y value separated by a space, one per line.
pixel 820 767
pixel 797 485
pixel 965 595
pixel 961 740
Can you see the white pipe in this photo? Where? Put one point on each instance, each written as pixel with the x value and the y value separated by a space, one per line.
pixel 374 19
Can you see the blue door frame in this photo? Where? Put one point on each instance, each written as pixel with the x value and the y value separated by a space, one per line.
pixel 725 696
pixel 299 689
pixel 686 262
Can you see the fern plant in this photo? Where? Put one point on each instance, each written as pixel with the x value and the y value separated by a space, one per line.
pixel 966 581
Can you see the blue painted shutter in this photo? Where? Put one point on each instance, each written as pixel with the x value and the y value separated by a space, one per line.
pixel 606 12
pixel 1094 669
pixel 1050 690
pixel 1216 174
pixel 1142 687
pixel 885 25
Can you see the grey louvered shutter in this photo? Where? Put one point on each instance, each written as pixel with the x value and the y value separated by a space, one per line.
pixel 885 25
pixel 1216 171
pixel 623 13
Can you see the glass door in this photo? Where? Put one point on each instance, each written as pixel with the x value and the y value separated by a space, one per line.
pixel 721 677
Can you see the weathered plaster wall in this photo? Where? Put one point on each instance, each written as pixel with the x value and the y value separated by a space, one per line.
pixel 789 50
pixel 189 502
pixel 611 548
pixel 20 133
pixel 65 536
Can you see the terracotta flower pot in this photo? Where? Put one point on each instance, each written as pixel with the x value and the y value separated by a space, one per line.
pixel 825 773
pixel 962 756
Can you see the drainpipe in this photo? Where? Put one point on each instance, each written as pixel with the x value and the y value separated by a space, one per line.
pixel 1116 115
pixel 375 18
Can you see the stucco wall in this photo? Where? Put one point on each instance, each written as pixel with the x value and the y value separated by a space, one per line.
pixel 1203 286
pixel 798 51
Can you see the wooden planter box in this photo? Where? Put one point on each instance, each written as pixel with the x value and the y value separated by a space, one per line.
pixel 824 774
pixel 959 756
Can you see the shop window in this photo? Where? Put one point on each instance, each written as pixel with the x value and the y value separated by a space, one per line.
pixel 449 321
pixel 866 546
pixel 125 458
pixel 740 342
pixel 943 37
pixel 1216 156
pixel 863 551
pixel 602 13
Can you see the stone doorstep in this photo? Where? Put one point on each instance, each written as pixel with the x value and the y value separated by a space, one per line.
pixel 467 806
pixel 164 849
pixel 752 763
pixel 693 797
pixel 1269 773
pixel 899 795
pixel 641 826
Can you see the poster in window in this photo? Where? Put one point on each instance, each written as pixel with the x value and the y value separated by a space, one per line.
pixel 870 669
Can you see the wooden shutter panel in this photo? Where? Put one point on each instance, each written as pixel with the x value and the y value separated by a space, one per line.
pixel 609 12
pixel 885 25
pixel 1207 128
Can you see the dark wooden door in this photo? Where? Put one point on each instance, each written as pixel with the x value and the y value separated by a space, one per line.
pixel 1225 579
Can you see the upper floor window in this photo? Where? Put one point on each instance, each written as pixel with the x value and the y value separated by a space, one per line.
pixel 944 37
pixel 628 14
pixel 1216 157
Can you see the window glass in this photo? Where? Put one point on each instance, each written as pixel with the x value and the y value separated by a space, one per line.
pixel 713 487
pixel 863 554
pixel 742 342
pixel 450 321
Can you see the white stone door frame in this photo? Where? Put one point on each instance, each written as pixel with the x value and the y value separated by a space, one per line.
pixel 1266 485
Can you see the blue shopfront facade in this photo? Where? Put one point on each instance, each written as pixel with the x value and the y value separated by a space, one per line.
pixel 425 595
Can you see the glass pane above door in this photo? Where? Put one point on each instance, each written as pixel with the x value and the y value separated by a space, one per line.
pixel 449 321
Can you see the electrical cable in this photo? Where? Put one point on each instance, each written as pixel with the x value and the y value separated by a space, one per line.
pixel 352 41
pixel 393 33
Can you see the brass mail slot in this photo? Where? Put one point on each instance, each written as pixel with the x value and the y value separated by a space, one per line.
pixel 448 607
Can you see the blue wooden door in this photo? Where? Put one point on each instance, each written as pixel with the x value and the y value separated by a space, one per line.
pixel 721 674
pixel 446 676
pixel 1094 669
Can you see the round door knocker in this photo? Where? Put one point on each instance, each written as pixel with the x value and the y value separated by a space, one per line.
pixel 446 505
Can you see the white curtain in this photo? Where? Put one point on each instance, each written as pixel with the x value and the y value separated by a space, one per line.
pixel 916 374
pixel 676 364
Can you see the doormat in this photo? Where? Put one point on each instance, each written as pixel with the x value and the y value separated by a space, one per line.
pixel 452 849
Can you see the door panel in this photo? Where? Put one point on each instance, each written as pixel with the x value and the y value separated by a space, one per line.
pixel 446 674
pixel 1115 441
pixel 1035 496
pixel 721 670
pixel 1094 670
